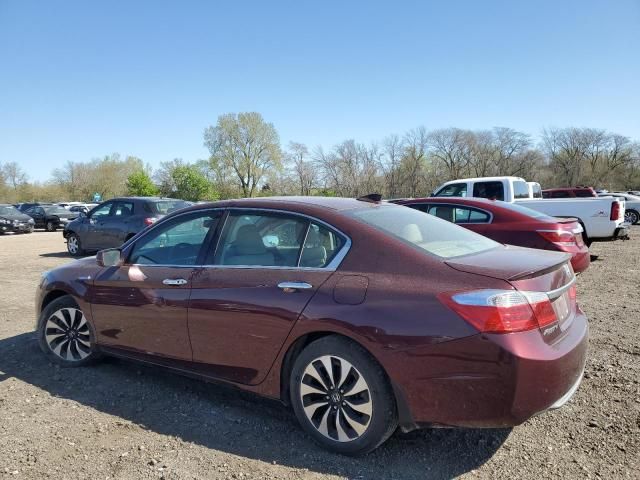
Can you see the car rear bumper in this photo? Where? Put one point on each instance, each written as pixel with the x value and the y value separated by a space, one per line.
pixel 490 381
pixel 622 231
pixel 581 261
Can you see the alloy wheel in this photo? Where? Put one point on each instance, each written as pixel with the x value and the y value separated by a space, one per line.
pixel 72 244
pixel 49 227
pixel 631 217
pixel 336 398
pixel 67 334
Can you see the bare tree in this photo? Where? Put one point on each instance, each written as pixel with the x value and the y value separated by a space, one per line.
pixel 451 146
pixel 416 142
pixel 303 169
pixel 13 174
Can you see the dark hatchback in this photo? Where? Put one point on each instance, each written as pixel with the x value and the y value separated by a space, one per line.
pixel 362 316
pixel 50 217
pixel 13 220
pixel 113 222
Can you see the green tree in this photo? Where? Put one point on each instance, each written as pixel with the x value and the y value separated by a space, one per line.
pixel 140 184
pixel 246 145
pixel 190 184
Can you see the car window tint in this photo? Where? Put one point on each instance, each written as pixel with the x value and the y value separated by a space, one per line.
pixel 423 207
pixel 123 209
pixel 423 232
pixel 164 207
pixel 476 216
pixel 583 193
pixel 560 194
pixel 453 190
pixel 320 247
pixel 491 190
pixel 102 210
pixel 261 239
pixel 175 243
pixel 520 189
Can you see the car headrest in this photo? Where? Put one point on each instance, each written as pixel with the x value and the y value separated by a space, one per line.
pixel 411 232
pixel 248 241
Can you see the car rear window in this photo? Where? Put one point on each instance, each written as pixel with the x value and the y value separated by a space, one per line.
pixel 530 212
pixel 163 207
pixel 424 232
pixel 490 190
pixel 56 210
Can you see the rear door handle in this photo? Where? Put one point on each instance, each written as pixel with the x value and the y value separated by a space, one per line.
pixel 290 287
pixel 174 281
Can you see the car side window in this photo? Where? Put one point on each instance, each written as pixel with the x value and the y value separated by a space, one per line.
pixel 520 189
pixel 175 243
pixel 560 194
pixel 453 190
pixel 491 190
pixel 476 216
pixel 261 239
pixel 122 209
pixel 320 247
pixel 102 211
pixel 423 207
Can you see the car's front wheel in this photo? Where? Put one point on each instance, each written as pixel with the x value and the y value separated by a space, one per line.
pixel 342 396
pixel 50 226
pixel 73 245
pixel 65 335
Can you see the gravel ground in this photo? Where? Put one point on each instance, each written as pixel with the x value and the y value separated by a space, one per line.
pixel 121 420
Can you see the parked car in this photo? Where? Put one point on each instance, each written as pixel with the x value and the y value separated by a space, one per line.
pixel 83 207
pixel 631 205
pixel 569 192
pixel 13 220
pixel 113 222
pixel 601 218
pixel 362 315
pixel 68 205
pixel 23 207
pixel 510 223
pixel 535 191
pixel 50 217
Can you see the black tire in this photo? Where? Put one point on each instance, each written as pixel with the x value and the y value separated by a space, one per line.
pixel 30 229
pixel 633 216
pixel 74 247
pixel 378 397
pixel 63 334
pixel 50 226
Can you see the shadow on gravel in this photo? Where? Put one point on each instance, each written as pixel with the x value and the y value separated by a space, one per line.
pixel 227 420
pixel 56 255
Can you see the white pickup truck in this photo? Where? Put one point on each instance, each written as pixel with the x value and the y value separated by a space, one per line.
pixel 601 218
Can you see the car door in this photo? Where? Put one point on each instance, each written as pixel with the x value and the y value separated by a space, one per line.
pixel 97 235
pixel 245 300
pixel 38 215
pixel 141 306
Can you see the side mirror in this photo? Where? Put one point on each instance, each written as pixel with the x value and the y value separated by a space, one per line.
pixel 111 257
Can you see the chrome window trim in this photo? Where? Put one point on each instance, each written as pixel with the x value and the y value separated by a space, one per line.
pixel 331 266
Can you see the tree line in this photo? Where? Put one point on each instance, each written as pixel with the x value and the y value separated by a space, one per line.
pixel 246 159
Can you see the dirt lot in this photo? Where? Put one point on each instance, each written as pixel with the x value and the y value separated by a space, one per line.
pixel 120 420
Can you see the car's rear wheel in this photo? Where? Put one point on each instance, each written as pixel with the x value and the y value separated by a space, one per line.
pixel 50 226
pixel 631 216
pixel 342 397
pixel 73 245
pixel 65 335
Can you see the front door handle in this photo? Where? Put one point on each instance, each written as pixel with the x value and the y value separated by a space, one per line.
pixel 174 281
pixel 290 287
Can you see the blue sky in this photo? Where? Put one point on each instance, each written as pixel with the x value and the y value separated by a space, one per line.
pixel 85 79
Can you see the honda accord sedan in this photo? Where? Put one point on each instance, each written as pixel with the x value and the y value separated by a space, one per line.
pixel 510 223
pixel 362 316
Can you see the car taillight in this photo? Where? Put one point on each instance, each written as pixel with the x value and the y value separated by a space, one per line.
pixel 502 311
pixel 150 220
pixel 615 211
pixel 562 238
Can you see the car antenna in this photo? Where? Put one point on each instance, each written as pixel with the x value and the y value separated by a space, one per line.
pixel 371 198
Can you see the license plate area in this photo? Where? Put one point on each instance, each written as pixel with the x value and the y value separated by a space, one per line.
pixel 562 307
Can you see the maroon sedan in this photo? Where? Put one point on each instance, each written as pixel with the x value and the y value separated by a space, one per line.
pixel 363 316
pixel 510 224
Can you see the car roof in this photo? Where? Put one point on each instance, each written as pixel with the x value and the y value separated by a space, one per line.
pixel 145 199
pixel 333 203
pixel 485 179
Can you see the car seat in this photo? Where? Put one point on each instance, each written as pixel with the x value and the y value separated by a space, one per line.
pixel 248 249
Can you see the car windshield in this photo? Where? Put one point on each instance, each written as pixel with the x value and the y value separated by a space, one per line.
pixel 425 232
pixel 4 210
pixel 56 210
pixel 164 207
pixel 530 212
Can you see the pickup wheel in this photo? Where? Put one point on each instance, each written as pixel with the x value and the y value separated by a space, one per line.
pixel 50 226
pixel 631 216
